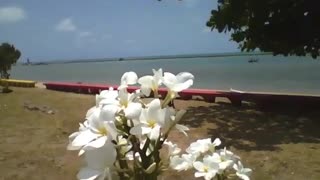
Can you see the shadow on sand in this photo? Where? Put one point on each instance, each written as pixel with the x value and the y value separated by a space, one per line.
pixel 257 128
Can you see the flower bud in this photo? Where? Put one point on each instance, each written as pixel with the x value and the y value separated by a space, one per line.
pixel 151 168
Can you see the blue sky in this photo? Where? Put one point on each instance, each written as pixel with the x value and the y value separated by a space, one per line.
pixel 73 29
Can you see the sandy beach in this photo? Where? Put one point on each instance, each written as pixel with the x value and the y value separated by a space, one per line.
pixel 277 142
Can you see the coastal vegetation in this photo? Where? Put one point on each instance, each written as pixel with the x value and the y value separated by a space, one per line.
pixel 287 27
pixel 9 55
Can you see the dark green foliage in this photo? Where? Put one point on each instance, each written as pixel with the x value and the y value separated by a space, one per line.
pixel 288 27
pixel 9 55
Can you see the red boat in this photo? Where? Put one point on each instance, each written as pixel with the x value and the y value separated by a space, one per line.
pixel 208 95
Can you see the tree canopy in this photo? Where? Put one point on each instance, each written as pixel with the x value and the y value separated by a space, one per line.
pixel 288 27
pixel 9 55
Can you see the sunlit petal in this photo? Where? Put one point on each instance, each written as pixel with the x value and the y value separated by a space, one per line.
pixel 140 129
pixel 129 78
pixel 133 110
pixel 88 174
pixel 82 139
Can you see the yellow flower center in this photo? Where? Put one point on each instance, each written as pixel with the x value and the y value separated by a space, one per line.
pixel 152 123
pixel 102 131
pixel 154 86
pixel 222 158
pixel 205 169
pixel 124 103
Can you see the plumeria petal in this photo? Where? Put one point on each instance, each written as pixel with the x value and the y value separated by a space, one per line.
pixel 133 110
pixel 82 139
pixel 198 166
pixel 173 149
pixel 108 113
pixel 91 111
pixel 179 82
pixel 129 78
pixel 169 79
pixel 99 142
pixel 179 164
pixel 199 174
pixel 155 132
pixel 140 129
pixel 146 80
pixel 242 173
pixel 149 83
pixel 107 96
pixel 153 110
pixel 216 142
pixel 184 77
pixel 158 75
pixel 242 176
pixel 102 157
pixel 145 90
pixel 88 174
pixel 182 86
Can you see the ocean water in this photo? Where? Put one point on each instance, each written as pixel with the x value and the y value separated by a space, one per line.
pixel 270 74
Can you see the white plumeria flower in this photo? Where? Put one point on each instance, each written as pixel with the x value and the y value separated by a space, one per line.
pixel 83 126
pixel 203 145
pixel 172 118
pixel 127 102
pixel 207 169
pixel 100 130
pixel 98 162
pixel 151 83
pixel 151 119
pixel 109 96
pixel 184 162
pixel 173 149
pixel 128 78
pixel 177 83
pixel 106 97
pixel 242 173
pixel 224 158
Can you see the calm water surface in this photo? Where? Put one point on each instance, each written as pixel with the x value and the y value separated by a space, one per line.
pixel 276 74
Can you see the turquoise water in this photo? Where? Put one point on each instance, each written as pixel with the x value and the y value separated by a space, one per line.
pixel 270 74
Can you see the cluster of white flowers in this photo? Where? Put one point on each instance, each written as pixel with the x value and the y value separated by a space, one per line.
pixel 210 162
pixel 122 135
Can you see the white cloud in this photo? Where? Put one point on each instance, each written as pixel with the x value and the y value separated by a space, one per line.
pixel 11 14
pixel 84 34
pixel 66 25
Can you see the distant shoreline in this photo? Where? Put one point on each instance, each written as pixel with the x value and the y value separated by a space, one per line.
pixel 173 57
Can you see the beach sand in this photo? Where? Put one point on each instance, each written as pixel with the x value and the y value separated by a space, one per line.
pixel 277 142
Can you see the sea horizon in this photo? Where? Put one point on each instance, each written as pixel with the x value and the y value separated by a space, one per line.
pixel 154 57
pixel 269 74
